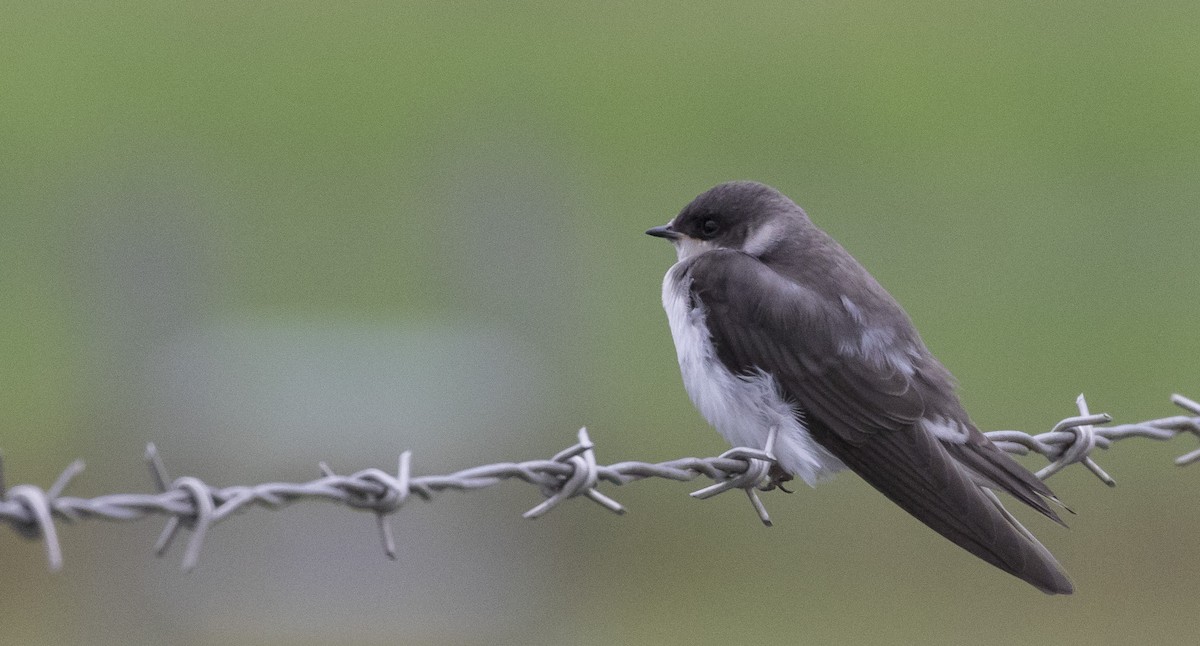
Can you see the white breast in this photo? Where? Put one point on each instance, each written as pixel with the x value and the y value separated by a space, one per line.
pixel 742 408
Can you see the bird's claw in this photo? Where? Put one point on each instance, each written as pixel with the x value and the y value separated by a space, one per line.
pixel 776 477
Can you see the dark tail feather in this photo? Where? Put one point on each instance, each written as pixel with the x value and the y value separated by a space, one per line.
pixel 916 473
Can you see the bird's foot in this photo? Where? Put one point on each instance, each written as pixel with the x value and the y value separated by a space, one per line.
pixel 776 477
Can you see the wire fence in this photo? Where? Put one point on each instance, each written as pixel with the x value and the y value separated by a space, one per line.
pixel 190 503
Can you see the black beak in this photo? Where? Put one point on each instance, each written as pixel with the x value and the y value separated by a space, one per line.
pixel 664 231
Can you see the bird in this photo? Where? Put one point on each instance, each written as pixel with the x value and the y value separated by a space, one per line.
pixel 780 332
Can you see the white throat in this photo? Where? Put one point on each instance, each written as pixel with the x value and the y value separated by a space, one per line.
pixel 688 247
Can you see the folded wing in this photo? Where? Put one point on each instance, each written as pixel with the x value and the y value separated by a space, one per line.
pixel 868 412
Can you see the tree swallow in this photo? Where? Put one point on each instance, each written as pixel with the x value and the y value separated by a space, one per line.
pixel 779 330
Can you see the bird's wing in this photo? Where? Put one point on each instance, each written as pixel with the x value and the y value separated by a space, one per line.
pixel 760 319
pixel 864 412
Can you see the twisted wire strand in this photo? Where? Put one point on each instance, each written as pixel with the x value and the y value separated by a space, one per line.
pixel 190 503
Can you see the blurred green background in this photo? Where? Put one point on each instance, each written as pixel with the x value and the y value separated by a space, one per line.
pixel 263 235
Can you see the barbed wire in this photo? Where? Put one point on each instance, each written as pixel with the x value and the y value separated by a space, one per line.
pixel 190 503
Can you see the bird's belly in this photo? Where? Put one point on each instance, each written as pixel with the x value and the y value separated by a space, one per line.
pixel 743 408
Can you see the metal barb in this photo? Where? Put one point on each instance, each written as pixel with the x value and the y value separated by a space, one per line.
pixel 37 503
pixel 758 467
pixel 386 536
pixel 1188 458
pixel 64 479
pixel 200 522
pixel 60 484
pixel 1192 407
pixel 581 480
pixel 1081 448
pixel 1185 403
pixel 166 536
pixel 401 488
pixel 158 472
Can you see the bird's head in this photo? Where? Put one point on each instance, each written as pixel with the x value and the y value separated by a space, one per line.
pixel 744 216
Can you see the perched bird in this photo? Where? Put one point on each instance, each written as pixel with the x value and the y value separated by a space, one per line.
pixel 778 328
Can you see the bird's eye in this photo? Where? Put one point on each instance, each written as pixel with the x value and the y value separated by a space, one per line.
pixel 709 227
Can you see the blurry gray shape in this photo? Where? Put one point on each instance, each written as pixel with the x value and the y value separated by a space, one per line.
pixel 506 219
pixel 294 390
pixel 139 262
pixel 262 398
